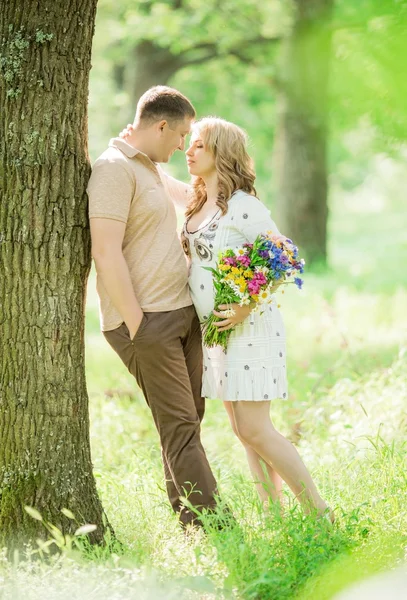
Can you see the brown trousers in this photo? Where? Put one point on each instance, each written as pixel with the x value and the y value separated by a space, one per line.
pixel 165 357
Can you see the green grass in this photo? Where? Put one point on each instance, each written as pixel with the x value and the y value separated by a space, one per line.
pixel 347 413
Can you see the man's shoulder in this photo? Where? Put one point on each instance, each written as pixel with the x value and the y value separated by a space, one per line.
pixel 111 156
pixel 111 166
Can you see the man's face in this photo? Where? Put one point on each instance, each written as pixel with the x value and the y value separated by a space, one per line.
pixel 173 139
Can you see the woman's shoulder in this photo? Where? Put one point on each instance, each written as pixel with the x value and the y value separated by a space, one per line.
pixel 242 199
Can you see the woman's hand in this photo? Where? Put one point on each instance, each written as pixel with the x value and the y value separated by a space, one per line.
pixel 232 315
pixel 125 133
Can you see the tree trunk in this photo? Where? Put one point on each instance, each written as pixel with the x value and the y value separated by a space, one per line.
pixel 300 162
pixel 45 459
pixel 151 65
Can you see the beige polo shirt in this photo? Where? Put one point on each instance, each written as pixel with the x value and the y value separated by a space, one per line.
pixel 127 186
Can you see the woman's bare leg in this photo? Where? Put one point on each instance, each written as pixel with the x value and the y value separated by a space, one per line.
pixel 268 481
pixel 254 427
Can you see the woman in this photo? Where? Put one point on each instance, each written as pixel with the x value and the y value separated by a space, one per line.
pixel 224 212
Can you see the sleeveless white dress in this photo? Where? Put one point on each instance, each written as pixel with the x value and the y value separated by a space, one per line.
pixel 254 365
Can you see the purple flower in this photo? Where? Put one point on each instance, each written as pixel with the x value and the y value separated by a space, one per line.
pixel 298 282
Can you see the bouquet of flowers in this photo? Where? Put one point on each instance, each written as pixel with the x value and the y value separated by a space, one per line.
pixel 248 275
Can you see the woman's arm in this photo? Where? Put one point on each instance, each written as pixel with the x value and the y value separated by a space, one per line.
pixel 178 191
pixel 252 218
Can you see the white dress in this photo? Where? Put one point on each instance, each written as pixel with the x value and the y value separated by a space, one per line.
pixel 254 365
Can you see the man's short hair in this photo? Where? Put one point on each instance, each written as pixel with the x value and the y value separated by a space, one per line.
pixel 162 102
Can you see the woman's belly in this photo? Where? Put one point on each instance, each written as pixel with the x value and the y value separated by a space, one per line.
pixel 202 290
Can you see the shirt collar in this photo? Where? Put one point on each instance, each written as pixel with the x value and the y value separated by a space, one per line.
pixel 124 147
pixel 131 152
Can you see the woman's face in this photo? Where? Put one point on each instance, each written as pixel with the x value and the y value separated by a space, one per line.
pixel 200 162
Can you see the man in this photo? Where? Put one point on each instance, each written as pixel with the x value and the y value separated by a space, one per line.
pixel 147 314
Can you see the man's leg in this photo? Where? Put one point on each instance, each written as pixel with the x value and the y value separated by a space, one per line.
pixel 156 358
pixel 119 340
pixel 192 344
pixel 172 491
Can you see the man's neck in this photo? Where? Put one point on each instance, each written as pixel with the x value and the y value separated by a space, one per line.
pixel 139 140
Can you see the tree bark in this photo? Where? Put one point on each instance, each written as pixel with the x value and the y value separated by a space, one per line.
pixel 45 459
pixel 300 147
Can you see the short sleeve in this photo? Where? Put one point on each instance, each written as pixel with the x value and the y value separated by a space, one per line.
pixel 253 217
pixel 111 189
pixel 178 191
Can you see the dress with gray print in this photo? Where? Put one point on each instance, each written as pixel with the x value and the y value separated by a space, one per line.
pixel 254 365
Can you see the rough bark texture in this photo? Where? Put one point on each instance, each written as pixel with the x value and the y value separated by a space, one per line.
pixel 45 462
pixel 300 163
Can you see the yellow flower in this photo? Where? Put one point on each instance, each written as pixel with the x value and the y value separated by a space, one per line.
pixel 248 274
pixel 240 281
pixel 255 297
pixel 224 267
pixel 235 270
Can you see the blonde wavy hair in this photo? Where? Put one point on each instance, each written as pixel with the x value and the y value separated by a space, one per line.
pixel 228 144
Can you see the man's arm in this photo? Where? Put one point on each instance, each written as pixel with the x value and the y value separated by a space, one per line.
pixel 107 239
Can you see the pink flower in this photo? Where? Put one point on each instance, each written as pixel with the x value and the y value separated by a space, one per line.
pixel 253 286
pixel 229 260
pixel 260 278
pixel 277 238
pixel 244 260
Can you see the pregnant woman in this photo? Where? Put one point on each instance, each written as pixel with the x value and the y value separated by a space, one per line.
pixel 224 212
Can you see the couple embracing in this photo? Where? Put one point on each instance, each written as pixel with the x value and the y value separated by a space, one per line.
pixel 154 294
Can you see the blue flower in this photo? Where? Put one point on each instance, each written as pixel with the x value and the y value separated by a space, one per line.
pixel 298 282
